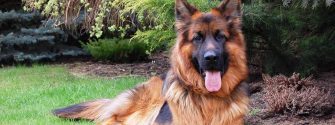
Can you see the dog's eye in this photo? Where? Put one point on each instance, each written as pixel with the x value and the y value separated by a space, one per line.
pixel 197 37
pixel 220 37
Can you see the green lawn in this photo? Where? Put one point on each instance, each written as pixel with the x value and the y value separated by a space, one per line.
pixel 28 94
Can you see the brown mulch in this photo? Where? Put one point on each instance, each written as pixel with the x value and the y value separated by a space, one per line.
pixel 156 65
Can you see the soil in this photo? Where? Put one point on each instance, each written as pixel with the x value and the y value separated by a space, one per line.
pixel 159 63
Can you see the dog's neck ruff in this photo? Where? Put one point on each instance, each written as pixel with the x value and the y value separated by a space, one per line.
pixel 203 109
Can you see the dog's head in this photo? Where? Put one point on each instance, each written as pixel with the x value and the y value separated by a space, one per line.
pixel 209 56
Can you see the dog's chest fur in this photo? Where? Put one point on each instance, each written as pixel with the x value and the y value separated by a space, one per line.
pixel 190 108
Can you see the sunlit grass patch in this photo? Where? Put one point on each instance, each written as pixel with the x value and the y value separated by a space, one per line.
pixel 29 94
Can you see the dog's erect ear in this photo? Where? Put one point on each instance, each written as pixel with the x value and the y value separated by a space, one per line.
pixel 184 10
pixel 230 9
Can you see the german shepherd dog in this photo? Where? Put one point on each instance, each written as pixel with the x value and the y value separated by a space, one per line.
pixel 203 86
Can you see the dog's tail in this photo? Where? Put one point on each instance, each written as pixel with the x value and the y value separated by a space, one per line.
pixel 87 110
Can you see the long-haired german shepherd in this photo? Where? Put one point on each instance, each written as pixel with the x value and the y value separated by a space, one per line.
pixel 203 86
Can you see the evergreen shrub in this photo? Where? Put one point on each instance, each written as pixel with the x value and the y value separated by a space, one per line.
pixel 25 37
pixel 117 50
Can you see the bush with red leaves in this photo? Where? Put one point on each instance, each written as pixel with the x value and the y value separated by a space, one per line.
pixel 297 96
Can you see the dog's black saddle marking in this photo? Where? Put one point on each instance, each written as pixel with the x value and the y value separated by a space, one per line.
pixel 164 117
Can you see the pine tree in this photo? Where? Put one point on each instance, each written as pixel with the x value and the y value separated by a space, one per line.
pixel 26 37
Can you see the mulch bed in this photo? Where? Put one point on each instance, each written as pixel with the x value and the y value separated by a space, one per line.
pixel 157 64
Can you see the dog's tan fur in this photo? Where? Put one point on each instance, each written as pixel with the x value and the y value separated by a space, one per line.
pixel 183 88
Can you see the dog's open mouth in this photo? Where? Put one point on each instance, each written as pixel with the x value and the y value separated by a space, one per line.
pixel 211 73
pixel 212 80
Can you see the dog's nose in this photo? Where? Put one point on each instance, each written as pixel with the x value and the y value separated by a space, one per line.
pixel 210 56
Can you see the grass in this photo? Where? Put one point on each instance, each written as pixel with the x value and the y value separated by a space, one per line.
pixel 29 94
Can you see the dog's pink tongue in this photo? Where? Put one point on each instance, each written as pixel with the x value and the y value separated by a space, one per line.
pixel 213 81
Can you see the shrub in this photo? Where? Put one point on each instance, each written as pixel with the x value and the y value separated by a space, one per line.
pixel 279 33
pixel 118 50
pixel 316 53
pixel 151 21
pixel 25 37
pixel 297 96
pixel 13 20
pixel 290 38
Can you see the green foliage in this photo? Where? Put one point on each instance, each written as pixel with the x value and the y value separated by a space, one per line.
pixel 14 21
pixel 25 39
pixel 151 21
pixel 308 3
pixel 7 17
pixel 119 50
pixel 316 52
pixel 285 34
pixel 155 39
pixel 290 38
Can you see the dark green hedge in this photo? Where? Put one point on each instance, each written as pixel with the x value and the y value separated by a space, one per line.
pixel 117 50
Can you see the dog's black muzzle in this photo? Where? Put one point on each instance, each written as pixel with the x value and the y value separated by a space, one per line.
pixel 212 61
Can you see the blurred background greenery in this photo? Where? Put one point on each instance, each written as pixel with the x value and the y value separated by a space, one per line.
pixel 283 36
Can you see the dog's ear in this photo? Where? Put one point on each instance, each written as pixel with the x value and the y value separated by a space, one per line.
pixel 230 9
pixel 184 11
